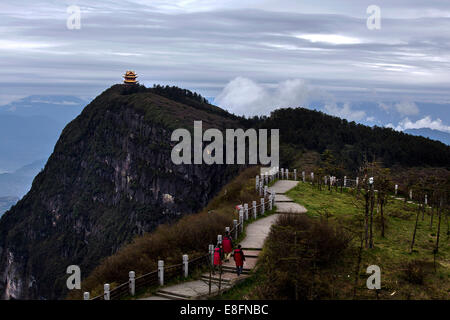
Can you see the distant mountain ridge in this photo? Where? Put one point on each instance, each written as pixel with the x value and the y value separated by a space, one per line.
pixel 431 134
pixel 30 127
pixel 56 107
pixel 14 186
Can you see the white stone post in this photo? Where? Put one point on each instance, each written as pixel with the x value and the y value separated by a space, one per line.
pixel 256 182
pixel 262 205
pixel 295 174
pixel 266 191
pixel 211 252
pixel 260 188
pixel 132 282
pixel 357 182
pixel 161 272
pixel 241 221
pixel 282 173
pixel 396 189
pixel 106 295
pixel 246 211
pixel 219 238
pixel 345 181
pixel 426 199
pixel 227 230
pixel 303 176
pixel 235 223
pixel 254 209
pixel 266 178
pixel 86 296
pixel 410 194
pixel 270 201
pixel 186 265
pixel 287 174
pixel 312 177
pixel 325 179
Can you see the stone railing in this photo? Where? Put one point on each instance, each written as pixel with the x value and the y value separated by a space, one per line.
pixel 344 182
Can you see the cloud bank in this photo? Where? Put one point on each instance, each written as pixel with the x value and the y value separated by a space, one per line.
pixel 426 122
pixel 244 96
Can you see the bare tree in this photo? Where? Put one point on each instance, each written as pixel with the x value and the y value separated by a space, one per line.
pixel 372 204
pixel 415 229
pixel 383 185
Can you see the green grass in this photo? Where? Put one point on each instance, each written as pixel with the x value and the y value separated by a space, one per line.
pixel 392 252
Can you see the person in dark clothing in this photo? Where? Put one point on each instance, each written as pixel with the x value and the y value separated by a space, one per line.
pixel 239 259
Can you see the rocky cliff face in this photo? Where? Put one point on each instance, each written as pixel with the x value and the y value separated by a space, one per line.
pixel 109 179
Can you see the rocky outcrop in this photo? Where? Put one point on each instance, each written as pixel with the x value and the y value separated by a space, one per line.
pixel 109 179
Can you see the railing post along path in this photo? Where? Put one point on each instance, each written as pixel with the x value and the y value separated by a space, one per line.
pixel 256 182
pixel 345 181
pixel 86 296
pixel 287 174
pixel 235 227
pixel 211 252
pixel 303 176
pixel 312 177
pixel 186 265
pixel 396 189
pixel 227 229
pixel 270 201
pixel 106 294
pixel 254 209
pixel 262 205
pixel 161 272
pixel 241 221
pixel 266 189
pixel 219 239
pixel 132 282
pixel 282 173
pixel 295 174
pixel 246 211
pixel 357 182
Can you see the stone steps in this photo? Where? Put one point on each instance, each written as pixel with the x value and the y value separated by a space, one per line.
pixel 171 295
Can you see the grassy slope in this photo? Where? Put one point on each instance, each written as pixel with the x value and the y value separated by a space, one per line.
pixel 392 252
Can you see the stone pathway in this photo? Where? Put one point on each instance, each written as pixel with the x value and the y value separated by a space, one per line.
pixel 283 203
pixel 256 234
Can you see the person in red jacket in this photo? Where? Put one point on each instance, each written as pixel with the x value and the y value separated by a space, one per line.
pixel 227 246
pixel 239 259
pixel 218 257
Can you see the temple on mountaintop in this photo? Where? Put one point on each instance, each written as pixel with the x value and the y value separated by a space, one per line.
pixel 130 77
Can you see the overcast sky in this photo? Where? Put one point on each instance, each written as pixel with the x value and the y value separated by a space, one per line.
pixel 250 55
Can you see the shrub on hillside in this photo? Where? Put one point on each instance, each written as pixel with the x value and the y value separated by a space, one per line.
pixel 415 271
pixel 301 259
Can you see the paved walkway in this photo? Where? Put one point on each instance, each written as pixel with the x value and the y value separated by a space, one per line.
pixel 283 203
pixel 256 234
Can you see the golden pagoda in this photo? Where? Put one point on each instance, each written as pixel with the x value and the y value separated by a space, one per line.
pixel 130 77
